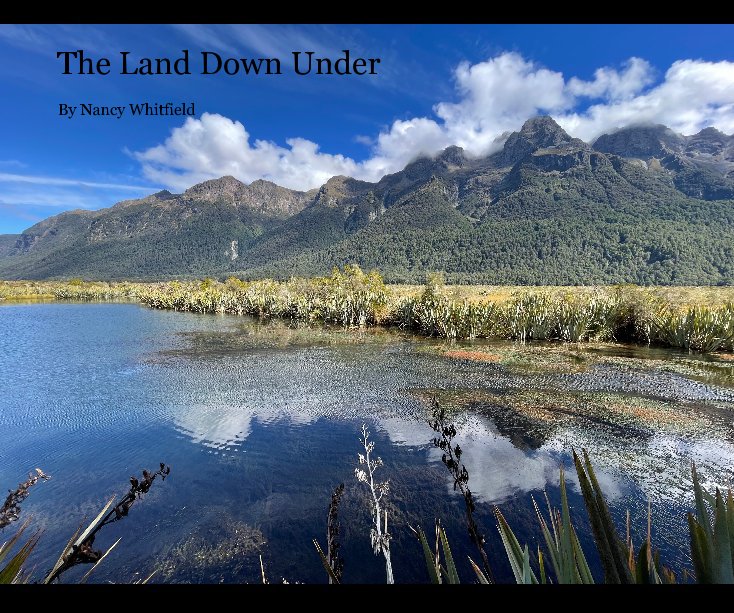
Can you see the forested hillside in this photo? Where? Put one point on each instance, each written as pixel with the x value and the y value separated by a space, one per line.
pixel 642 205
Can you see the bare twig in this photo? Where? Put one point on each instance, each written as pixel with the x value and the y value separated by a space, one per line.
pixel 380 537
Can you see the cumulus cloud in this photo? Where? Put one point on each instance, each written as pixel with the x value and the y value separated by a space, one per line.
pixel 214 146
pixel 693 95
pixel 493 97
pixel 615 85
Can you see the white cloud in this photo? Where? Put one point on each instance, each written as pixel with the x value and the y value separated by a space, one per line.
pixel 494 97
pixel 615 85
pixel 693 95
pixel 214 146
pixel 41 180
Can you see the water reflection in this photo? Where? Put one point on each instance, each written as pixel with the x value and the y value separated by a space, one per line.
pixel 261 421
pixel 225 426
pixel 515 437
pixel 501 470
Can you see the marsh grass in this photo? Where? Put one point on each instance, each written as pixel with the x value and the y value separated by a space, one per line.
pixel 690 318
pixel 75 289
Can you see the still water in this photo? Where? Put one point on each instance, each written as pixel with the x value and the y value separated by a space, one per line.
pixel 260 421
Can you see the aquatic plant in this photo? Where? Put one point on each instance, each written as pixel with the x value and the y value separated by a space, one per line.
pixel 333 564
pixel 531 317
pixel 10 511
pixel 451 457
pixel 12 571
pixel 694 319
pixel 379 535
pixel 438 573
pixel 712 535
pixel 75 289
pixel 350 297
pixel 79 549
pixel 698 328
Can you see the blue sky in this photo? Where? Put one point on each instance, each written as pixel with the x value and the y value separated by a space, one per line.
pixel 435 85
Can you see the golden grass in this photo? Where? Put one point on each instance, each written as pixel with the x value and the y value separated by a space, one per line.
pixel 675 296
pixel 678 296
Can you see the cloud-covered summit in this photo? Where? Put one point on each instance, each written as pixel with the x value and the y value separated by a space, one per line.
pixel 493 98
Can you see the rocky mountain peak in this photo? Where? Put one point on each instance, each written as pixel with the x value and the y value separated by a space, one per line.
pixel 453 156
pixel 543 131
pixel 711 132
pixel 641 142
pixel 158 197
pixel 709 141
pixel 271 199
pixel 164 194
pixel 263 184
pixel 536 133
pixel 227 189
pixel 339 188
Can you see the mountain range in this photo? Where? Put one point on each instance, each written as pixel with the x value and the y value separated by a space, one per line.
pixel 641 205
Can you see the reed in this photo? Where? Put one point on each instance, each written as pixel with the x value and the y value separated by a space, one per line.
pixel 694 319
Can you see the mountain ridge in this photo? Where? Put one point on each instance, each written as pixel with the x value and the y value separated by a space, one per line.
pixel 641 196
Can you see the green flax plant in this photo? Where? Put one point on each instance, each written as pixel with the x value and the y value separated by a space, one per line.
pixel 712 534
pixel 352 298
pixel 698 328
pixel 437 572
pixel 532 317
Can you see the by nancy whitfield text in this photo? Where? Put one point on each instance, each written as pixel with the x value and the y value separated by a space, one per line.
pixel 300 63
pixel 134 109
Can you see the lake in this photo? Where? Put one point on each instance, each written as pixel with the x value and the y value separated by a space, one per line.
pixel 260 421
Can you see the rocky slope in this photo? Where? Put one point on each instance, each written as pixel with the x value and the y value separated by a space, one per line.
pixel 641 205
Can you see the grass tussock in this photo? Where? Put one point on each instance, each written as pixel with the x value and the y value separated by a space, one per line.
pixel 689 318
